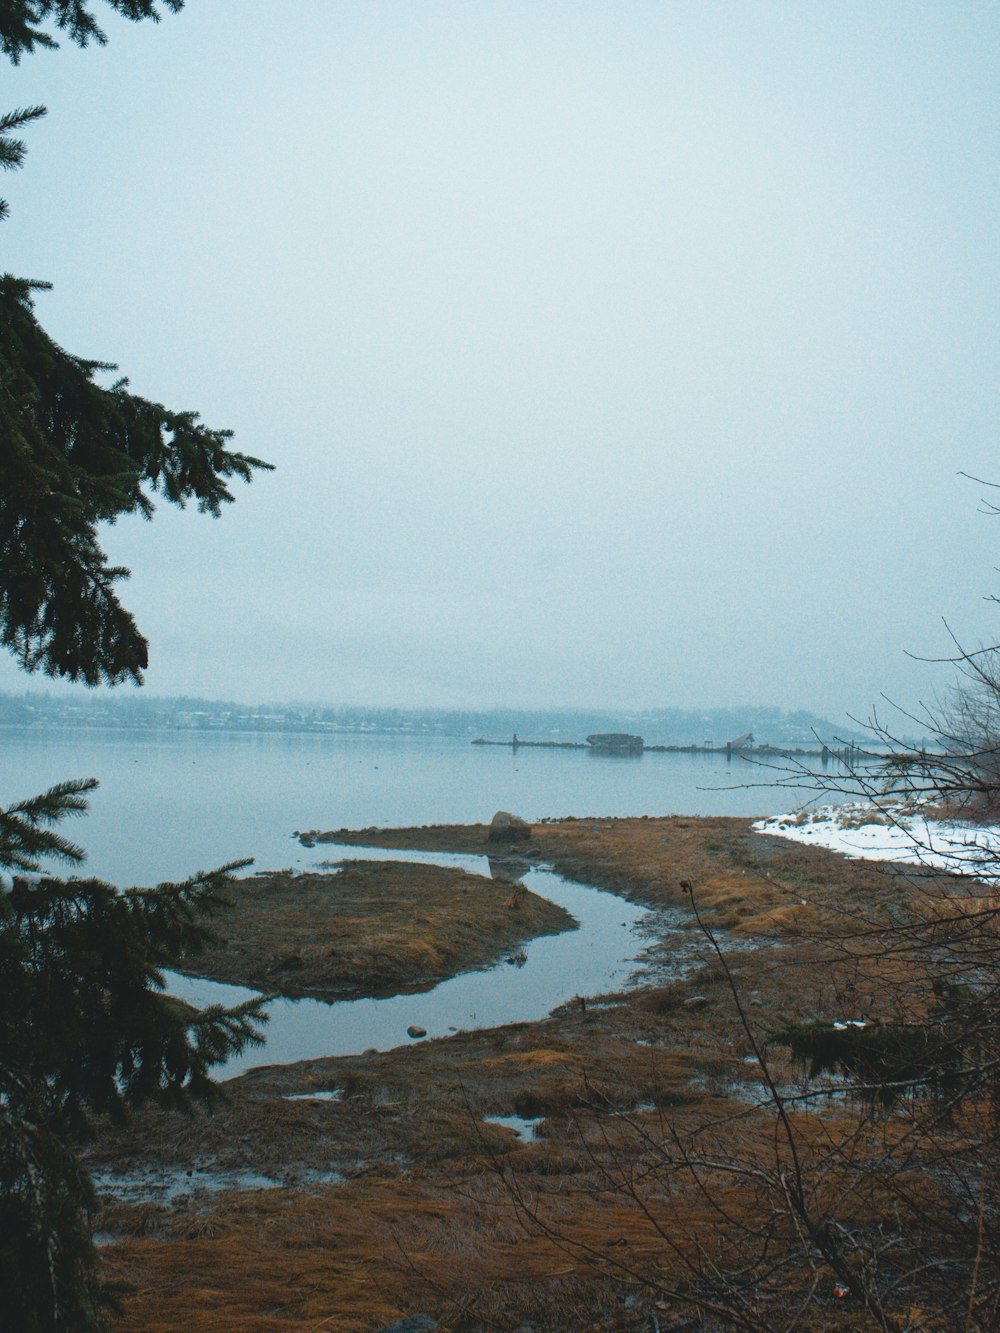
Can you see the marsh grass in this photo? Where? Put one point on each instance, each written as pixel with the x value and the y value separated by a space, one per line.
pixel 598 1223
pixel 371 929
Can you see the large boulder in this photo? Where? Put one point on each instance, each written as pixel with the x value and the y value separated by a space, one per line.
pixel 505 827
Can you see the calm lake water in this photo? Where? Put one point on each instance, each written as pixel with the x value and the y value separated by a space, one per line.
pixel 174 802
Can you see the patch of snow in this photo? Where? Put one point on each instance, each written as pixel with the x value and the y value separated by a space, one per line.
pixel 895 835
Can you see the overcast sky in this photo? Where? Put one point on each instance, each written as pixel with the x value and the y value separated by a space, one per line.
pixel 616 354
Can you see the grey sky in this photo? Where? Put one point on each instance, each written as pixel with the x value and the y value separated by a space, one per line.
pixel 613 354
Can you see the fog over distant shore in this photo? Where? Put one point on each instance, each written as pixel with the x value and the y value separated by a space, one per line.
pixel 672 726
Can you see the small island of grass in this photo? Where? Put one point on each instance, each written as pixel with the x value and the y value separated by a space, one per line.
pixel 371 929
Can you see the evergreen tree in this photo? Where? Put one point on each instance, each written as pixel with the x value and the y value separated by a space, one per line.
pixel 19 20
pixel 73 455
pixel 85 1028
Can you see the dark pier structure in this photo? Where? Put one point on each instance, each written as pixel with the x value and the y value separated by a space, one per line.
pixel 617 743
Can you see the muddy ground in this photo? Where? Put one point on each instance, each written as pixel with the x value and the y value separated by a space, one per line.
pixel 378 1185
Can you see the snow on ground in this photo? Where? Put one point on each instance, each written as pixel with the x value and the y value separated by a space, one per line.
pixel 895 834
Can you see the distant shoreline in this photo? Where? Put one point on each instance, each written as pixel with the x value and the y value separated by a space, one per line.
pixel 667 727
pixel 162 727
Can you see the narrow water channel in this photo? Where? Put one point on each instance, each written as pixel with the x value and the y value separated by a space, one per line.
pixel 595 958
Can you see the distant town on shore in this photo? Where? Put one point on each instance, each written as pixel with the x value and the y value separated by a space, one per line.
pixel 662 726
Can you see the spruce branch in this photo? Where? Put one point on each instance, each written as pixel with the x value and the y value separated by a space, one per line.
pixel 19 36
pixel 25 832
pixel 12 151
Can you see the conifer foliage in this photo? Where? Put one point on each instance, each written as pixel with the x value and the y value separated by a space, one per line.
pixel 85 1026
pixel 22 22
pixel 73 455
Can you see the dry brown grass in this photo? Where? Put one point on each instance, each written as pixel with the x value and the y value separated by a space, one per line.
pixel 753 884
pixel 573 1254
pixel 372 928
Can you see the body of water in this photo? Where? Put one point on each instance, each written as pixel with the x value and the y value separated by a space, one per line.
pixel 595 958
pixel 174 802
pixel 171 803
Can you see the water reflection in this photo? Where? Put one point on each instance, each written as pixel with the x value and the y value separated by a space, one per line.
pixel 596 957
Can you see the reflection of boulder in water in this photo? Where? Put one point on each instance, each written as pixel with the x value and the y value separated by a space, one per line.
pixel 509 868
pixel 505 827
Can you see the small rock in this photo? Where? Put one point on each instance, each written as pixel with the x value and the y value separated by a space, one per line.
pixel 505 827
pixel 414 1031
pixel 413 1323
pixel 696 1002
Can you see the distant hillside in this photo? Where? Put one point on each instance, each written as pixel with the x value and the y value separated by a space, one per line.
pixel 662 726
